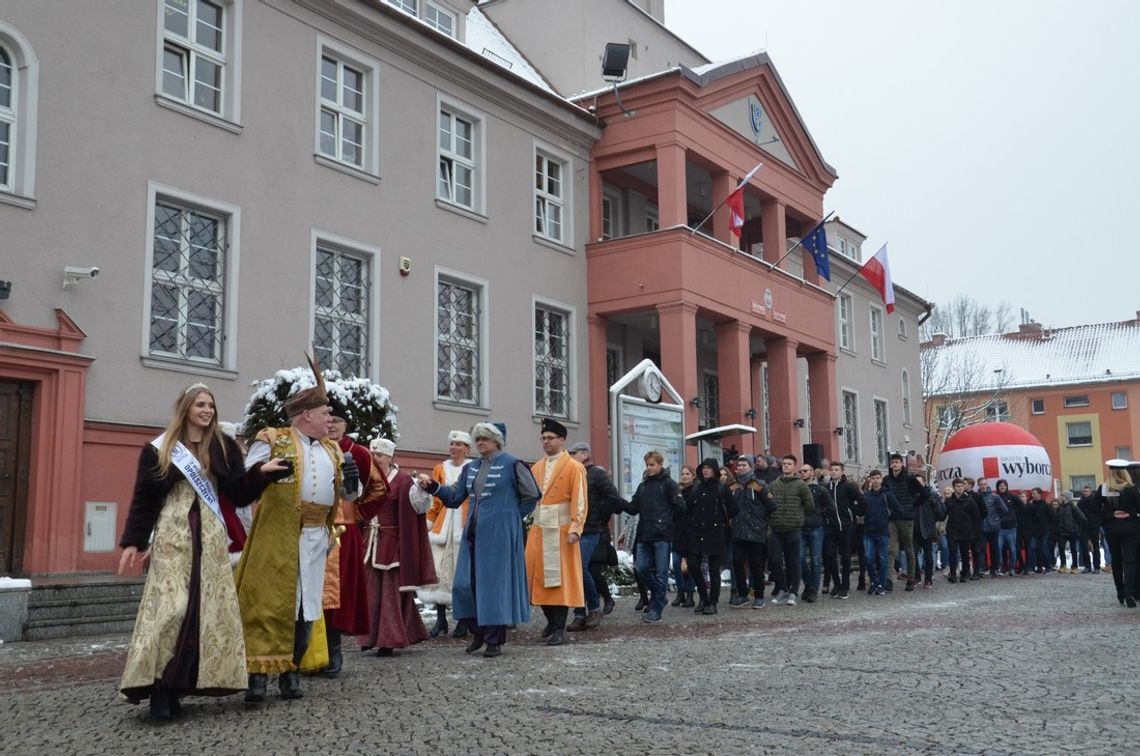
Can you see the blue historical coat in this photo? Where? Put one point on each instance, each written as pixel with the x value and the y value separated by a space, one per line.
pixel 490 576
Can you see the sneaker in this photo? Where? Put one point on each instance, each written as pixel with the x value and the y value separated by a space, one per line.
pixel 809 596
pixel 790 600
pixel 781 597
pixel 1106 568
pixel 953 578
pixel 1063 571
pixel 577 626
pixel 758 603
pixel 909 586
pixel 1086 571
pixel 652 616
pixel 842 596
pixel 871 590
pixel 927 585
pixel 738 602
pixel 879 592
pixel 836 591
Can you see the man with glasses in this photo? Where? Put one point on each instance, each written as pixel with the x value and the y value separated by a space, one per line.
pixel 553 557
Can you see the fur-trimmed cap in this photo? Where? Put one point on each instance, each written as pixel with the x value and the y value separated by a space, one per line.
pixel 553 426
pixel 310 398
pixel 384 446
pixel 458 436
pixel 489 431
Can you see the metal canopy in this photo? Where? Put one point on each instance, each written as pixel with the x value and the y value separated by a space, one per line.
pixel 715 434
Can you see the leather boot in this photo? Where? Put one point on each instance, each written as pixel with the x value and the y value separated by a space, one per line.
pixel 475 644
pixel 440 626
pixel 461 629
pixel 290 685
pixel 160 705
pixel 593 619
pixel 336 660
pixel 688 603
pixel 678 599
pixel 557 617
pixel 256 691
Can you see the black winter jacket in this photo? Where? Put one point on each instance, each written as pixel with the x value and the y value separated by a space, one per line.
pixel 1090 508
pixel 881 508
pixel 602 498
pixel 711 507
pixel 1039 518
pixel 846 498
pixel 907 491
pixel 1009 519
pixel 657 502
pixel 753 503
pixel 962 518
pixel 823 503
pixel 1070 520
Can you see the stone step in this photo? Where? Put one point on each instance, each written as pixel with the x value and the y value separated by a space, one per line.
pixel 68 608
pixel 81 592
pixel 54 629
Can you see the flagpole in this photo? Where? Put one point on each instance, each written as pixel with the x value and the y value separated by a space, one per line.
pixel 743 181
pixel 801 241
pixel 849 280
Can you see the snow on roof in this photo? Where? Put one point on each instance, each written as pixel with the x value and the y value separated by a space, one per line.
pixel 485 39
pixel 1100 352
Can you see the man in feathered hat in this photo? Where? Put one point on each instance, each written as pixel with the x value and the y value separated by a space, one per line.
pixel 553 557
pixel 280 578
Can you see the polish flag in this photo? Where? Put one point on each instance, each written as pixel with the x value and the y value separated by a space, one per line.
pixel 877 270
pixel 735 202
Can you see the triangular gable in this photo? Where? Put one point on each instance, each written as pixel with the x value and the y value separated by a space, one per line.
pixel 748 96
pixel 749 118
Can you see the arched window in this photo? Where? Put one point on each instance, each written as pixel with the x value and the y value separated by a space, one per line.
pixel 19 91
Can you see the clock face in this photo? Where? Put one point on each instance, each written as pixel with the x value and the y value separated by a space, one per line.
pixel 651 386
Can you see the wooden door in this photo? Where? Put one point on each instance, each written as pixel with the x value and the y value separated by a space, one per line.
pixel 15 456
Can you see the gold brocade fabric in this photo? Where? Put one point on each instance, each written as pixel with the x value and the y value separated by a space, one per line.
pixel 267 574
pixel 222 663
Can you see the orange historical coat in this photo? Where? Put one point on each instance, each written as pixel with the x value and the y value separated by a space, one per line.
pixel 553 566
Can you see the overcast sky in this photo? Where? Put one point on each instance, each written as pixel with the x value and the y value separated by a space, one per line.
pixel 993 145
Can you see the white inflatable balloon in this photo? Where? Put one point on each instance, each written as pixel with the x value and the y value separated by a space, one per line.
pixel 995 451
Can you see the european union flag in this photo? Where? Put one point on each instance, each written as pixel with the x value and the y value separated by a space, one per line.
pixel 816 243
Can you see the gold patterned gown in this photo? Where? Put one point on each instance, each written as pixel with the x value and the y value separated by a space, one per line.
pixel 188 632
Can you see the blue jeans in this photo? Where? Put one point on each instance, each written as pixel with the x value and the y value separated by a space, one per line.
pixel 1007 539
pixel 653 566
pixel 1107 552
pixel 683 580
pixel 811 540
pixel 877 547
pixel 1037 553
pixel 587 544
pixel 944 559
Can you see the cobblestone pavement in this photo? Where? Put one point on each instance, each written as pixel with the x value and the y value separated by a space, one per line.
pixel 1038 664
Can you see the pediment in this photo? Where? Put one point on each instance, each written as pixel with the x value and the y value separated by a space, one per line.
pixel 748 117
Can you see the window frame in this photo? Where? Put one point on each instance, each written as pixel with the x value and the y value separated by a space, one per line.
pixel 1033 406
pixel 551 154
pixel 481 286
pixel 228 116
pixel 1069 434
pixel 710 379
pixel 439 9
pixel 882 435
pixel 1123 452
pixel 850 425
pixel 319 239
pixel 905 387
pixel 903 336
pixel 616 199
pixel 1076 400
pixel 1077 482
pixel 478 162
pixel 226 366
pixel 994 413
pixel 1123 396
pixel 19 188
pixel 849 322
pixel 877 355
pixel 652 218
pixel 369 168
pixel 570 312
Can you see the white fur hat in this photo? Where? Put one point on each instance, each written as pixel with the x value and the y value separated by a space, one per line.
pixel 461 436
pixel 383 446
pixel 490 431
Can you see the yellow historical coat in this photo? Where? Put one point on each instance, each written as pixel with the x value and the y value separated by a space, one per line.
pixel 553 566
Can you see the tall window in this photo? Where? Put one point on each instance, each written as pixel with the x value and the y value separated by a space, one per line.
pixel 343 119
pixel 439 19
pixel 188 280
pixel 340 311
pixel 549 197
pixel 613 213
pixel 846 335
pixel 949 416
pixel 652 218
pixel 850 426
pixel 459 317
pixel 877 352
pixel 1079 434
pixel 551 362
pixel 7 118
pixel 882 442
pixel 1037 406
pixel 456 159
pixel 906 397
pixel 1077 482
pixel 712 400
pixel 193 53
pixel 997 411
pixel 1119 400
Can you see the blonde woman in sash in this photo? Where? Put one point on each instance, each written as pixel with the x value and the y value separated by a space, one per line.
pixel 188 637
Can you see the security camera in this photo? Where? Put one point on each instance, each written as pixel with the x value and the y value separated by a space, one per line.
pixel 73 275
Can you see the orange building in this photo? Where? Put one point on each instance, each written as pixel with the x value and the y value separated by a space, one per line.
pixel 725 318
pixel 1076 389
